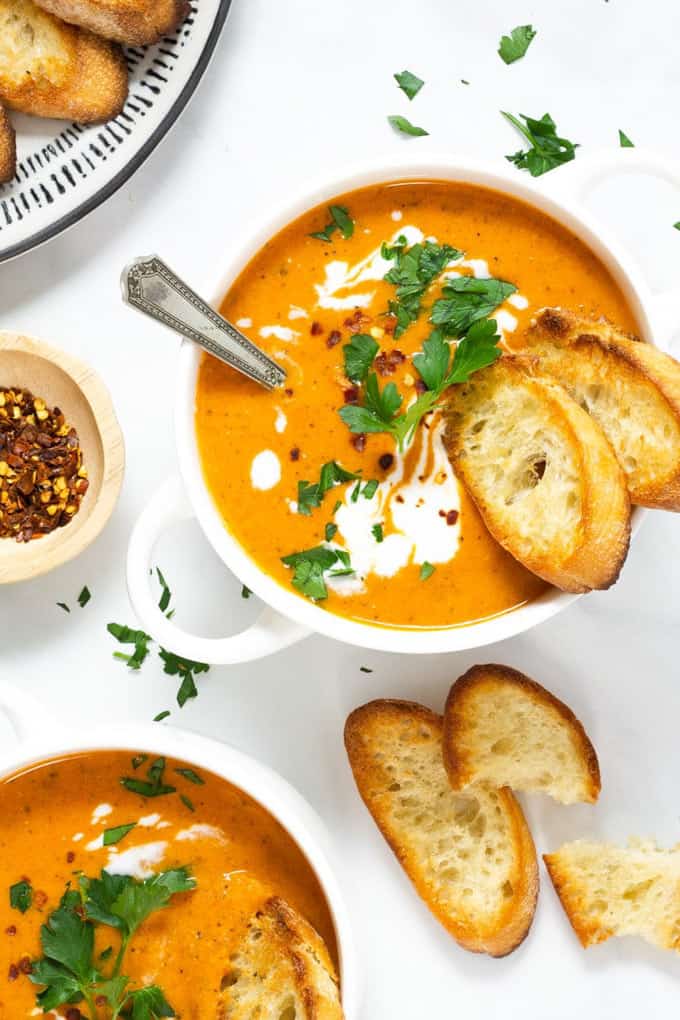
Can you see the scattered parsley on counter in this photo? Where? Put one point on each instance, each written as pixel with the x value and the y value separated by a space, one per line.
pixel 127 636
pixel 113 836
pixel 175 665
pixel 62 605
pixel 547 150
pixel 514 46
pixel 245 592
pixel 426 571
pixel 161 716
pixel 84 597
pixel 405 127
pixel 677 225
pixel 340 220
pixel 624 141
pixel 409 83
pixel 166 595
pixel 21 896
pixel 365 669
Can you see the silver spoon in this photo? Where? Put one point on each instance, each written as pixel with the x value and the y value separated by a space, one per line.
pixel 151 287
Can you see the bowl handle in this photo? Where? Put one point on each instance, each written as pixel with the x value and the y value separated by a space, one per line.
pixel 269 633
pixel 574 180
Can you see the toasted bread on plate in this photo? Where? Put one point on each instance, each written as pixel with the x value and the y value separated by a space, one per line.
pixel 631 388
pixel 503 729
pixel 281 971
pixel 542 473
pixel 135 22
pixel 611 890
pixel 470 856
pixel 50 69
pixel 8 148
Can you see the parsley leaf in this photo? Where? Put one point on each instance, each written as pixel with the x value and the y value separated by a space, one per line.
pixel 624 141
pixel 340 220
pixel 165 593
pixel 377 531
pixel 514 46
pixel 175 665
pixel 310 565
pixel 310 494
pixel 149 1004
pixel 414 270
pixel 477 349
pixel 112 836
pixel 405 127
pixel 245 592
pixel 61 985
pixel 21 896
pixel 330 531
pixel 409 83
pixel 547 150
pixel 84 597
pixel 191 776
pixel 426 571
pixel 127 636
pixel 68 939
pixel 359 354
pixel 125 902
pixel 677 225
pixel 161 716
pixel 465 301
pixel 62 605
pixel 154 785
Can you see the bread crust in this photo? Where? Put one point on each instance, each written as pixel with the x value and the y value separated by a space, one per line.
pixel 460 765
pixel 8 148
pixel 87 81
pixel 588 931
pixel 135 23
pixel 596 560
pixel 511 926
pixel 567 342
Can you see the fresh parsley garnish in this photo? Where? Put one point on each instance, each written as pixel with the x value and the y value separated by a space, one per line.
pixel 154 785
pixel 310 565
pixel 21 896
pixel 310 494
pixel 127 636
pixel 164 601
pixel 68 971
pixel 330 531
pixel 176 665
pixel 359 355
pixel 112 836
pixel 377 531
pixel 415 268
pixel 405 127
pixel 191 776
pixel 62 605
pixel 409 83
pixel 624 141
pixel 161 716
pixel 84 597
pixel 187 802
pixel 514 46
pixel 340 220
pixel 139 759
pixel 546 149
pixel 677 225
pixel 426 571
pixel 466 300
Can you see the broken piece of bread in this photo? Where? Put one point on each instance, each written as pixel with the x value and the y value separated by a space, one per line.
pixel 281 971
pixel 8 148
pixel 503 729
pixel 50 69
pixel 542 473
pixel 135 22
pixel 609 890
pixel 470 856
pixel 631 388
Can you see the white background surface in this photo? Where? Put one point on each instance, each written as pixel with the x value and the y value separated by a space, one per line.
pixel 297 87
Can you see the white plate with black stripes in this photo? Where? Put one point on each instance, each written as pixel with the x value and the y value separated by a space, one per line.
pixel 66 170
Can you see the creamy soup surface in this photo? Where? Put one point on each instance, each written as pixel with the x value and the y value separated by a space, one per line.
pixel 302 299
pixel 52 821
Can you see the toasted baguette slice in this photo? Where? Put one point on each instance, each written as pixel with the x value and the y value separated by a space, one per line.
pixel 50 69
pixel 542 474
pixel 631 388
pixel 470 856
pixel 281 971
pixel 610 890
pixel 8 148
pixel 503 729
pixel 135 22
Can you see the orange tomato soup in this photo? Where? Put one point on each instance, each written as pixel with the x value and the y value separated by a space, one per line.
pixel 302 299
pixel 52 820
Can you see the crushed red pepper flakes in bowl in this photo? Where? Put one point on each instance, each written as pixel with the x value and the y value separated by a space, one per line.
pixel 42 477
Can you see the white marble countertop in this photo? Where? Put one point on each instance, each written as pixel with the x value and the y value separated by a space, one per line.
pixel 294 88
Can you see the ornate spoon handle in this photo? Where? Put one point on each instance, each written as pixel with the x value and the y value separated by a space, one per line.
pixel 151 287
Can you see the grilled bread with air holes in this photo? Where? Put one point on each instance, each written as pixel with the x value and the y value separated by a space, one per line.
pixel 135 22
pixel 281 971
pixel 503 729
pixel 51 69
pixel 542 473
pixel 610 890
pixel 8 149
pixel 470 856
pixel 631 389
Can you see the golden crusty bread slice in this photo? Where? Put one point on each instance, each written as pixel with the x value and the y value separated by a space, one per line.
pixel 51 69
pixel 542 473
pixel 8 148
pixel 503 729
pixel 611 890
pixel 470 856
pixel 631 388
pixel 135 22
pixel 281 971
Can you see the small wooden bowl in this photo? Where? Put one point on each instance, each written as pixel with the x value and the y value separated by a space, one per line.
pixel 64 382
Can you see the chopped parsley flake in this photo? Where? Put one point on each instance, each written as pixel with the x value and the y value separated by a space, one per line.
pixel 426 571
pixel 21 896
pixel 624 141
pixel 546 149
pixel 409 83
pixel 514 46
pixel 112 836
pixel 340 220
pixel 405 127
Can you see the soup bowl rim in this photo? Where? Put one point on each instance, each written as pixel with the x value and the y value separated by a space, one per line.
pixel 556 202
